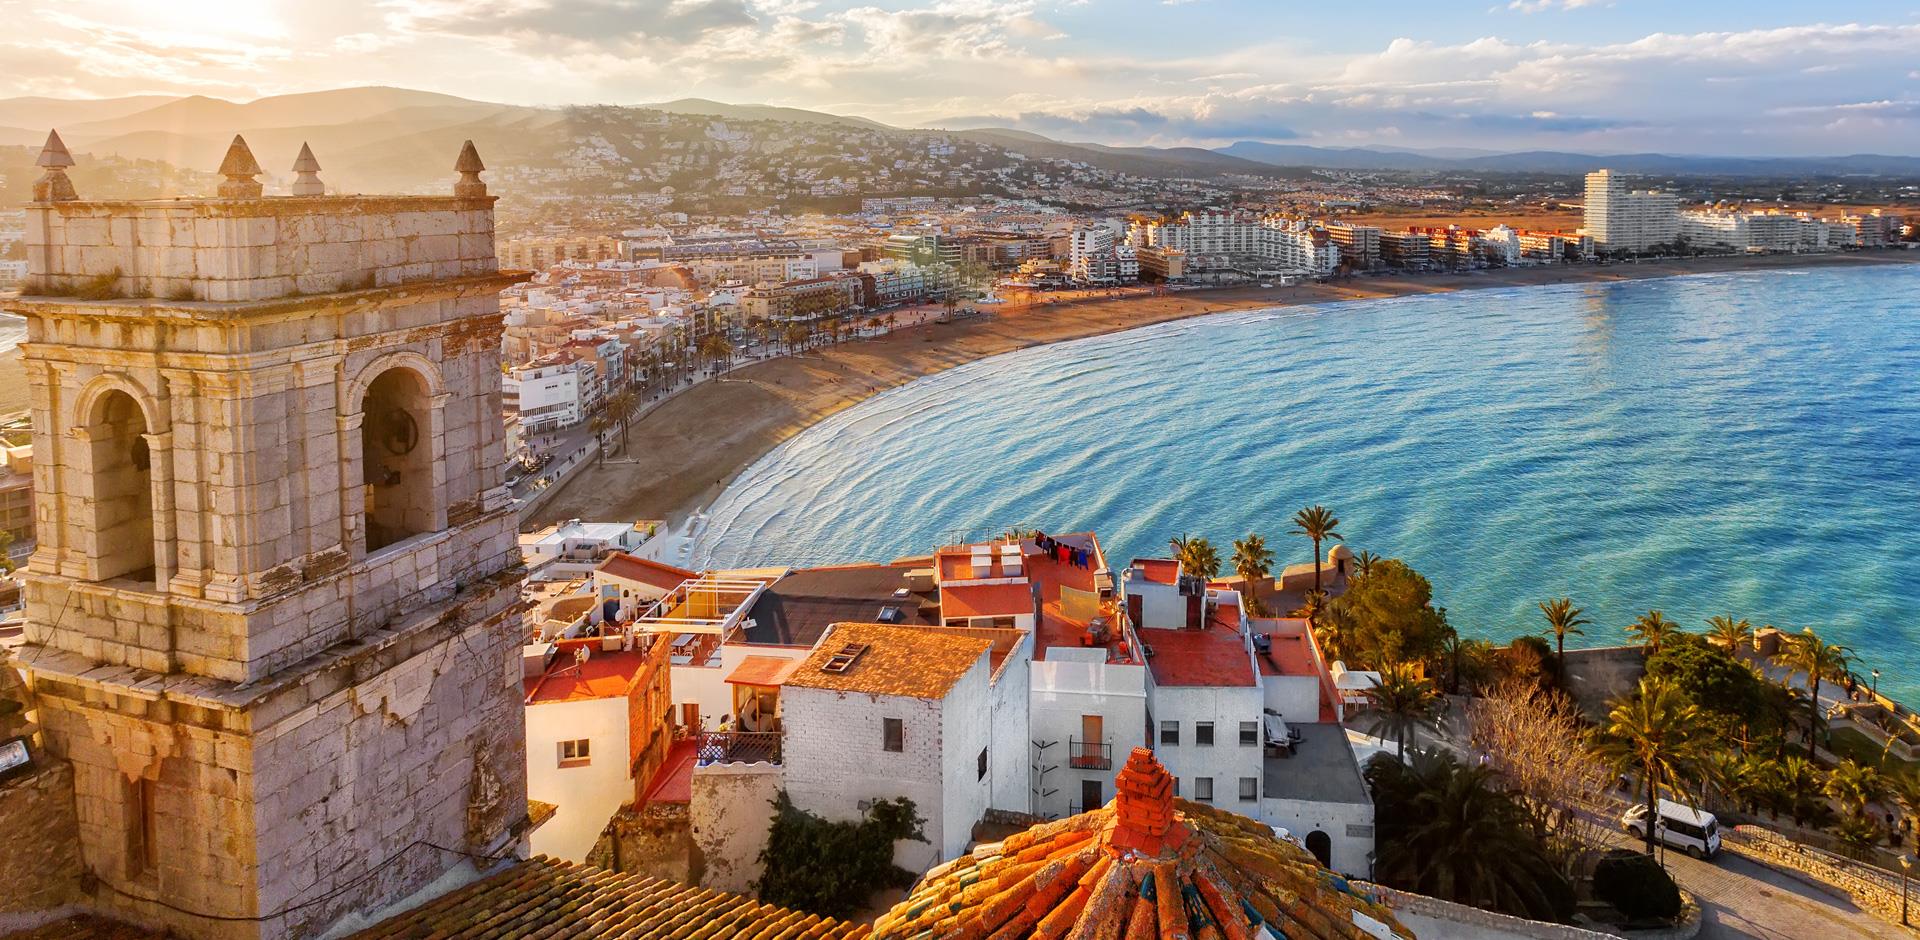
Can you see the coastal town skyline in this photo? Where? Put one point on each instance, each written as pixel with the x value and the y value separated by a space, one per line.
pixel 1758 79
pixel 465 472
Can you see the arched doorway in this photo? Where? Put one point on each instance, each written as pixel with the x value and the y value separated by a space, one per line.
pixel 1321 845
pixel 122 481
pixel 396 458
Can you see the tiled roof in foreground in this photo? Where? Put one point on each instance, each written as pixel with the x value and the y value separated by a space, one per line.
pixel 547 897
pixel 1145 866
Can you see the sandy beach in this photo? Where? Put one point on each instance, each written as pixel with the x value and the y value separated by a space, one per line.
pixel 684 452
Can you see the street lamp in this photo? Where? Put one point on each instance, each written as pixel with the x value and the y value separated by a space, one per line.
pixel 1876 685
pixel 1906 872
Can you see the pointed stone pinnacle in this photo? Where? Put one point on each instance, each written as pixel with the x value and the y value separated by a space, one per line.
pixel 469 161
pixel 469 185
pixel 54 154
pixel 239 167
pixel 305 163
pixel 239 160
pixel 53 185
pixel 307 170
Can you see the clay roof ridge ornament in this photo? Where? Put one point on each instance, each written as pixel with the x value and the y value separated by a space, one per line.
pixel 239 167
pixel 469 185
pixel 53 185
pixel 307 174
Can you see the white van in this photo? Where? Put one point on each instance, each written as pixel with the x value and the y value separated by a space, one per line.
pixel 1693 831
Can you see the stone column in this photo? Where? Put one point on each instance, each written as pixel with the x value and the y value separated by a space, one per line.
pixel 165 527
pixel 353 504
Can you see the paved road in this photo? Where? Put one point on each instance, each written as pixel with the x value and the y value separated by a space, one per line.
pixel 1745 900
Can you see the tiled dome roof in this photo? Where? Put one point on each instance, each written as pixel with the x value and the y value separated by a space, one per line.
pixel 1144 866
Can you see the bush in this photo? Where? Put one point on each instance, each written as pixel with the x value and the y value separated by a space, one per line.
pixel 1636 885
pixel 832 868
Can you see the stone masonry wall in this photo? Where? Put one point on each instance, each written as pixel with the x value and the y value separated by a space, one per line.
pixel 249 813
pixel 732 815
pixel 40 867
pixel 256 249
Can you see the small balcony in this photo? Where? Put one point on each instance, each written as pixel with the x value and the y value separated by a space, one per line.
pixel 1089 755
pixel 738 747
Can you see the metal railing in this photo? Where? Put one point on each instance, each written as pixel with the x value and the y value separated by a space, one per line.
pixel 738 747
pixel 1089 755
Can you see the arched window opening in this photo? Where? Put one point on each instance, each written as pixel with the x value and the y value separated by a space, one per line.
pixel 1321 845
pixel 122 488
pixel 396 458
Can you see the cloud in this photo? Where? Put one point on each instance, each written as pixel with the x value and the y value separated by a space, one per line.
pixel 1053 66
pixel 594 22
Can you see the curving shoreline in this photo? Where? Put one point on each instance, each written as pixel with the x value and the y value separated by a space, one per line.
pixel 686 451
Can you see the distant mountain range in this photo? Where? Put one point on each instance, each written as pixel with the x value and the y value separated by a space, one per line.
pixel 379 136
pixel 1565 164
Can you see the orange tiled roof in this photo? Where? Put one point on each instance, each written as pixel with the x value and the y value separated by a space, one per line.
pixel 986 600
pixel 1145 866
pixel 547 897
pixel 645 571
pixel 907 661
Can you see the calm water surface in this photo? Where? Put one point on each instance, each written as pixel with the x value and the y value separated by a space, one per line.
pixel 1744 443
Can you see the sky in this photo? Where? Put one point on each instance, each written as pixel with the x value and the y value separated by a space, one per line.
pixel 1757 77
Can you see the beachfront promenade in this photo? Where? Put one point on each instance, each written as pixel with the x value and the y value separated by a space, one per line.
pixel 690 455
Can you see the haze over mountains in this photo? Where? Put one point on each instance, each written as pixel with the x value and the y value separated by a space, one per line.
pixel 379 137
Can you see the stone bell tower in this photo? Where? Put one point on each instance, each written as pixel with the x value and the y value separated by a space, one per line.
pixel 273 614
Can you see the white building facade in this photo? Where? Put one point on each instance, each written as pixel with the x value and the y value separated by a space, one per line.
pixel 1621 219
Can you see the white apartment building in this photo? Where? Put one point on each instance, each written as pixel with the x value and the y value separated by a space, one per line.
pixel 879 711
pixel 554 392
pixel 1627 220
pixel 1245 716
pixel 1756 231
pixel 1095 255
pixel 1220 241
pixel 1358 244
pixel 1876 229
pixel 573 548
pixel 581 740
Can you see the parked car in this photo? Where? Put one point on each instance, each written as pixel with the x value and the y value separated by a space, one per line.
pixel 1693 831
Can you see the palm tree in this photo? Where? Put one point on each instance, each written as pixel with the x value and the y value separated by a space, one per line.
pixel 1854 785
pixel 1657 732
pixel 1728 633
pixel 1654 629
pixel 1797 778
pixel 796 336
pixel 1449 830
pixel 601 424
pixel 1317 523
pixel 1819 660
pixel 1197 556
pixel 715 346
pixel 620 406
pixel 1562 618
pixel 1253 562
pixel 1363 562
pixel 1402 704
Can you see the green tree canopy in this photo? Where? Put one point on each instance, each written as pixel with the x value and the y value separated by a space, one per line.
pixel 833 868
pixel 1389 617
pixel 1446 830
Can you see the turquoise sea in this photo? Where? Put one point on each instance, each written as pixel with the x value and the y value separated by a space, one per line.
pixel 1744 443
